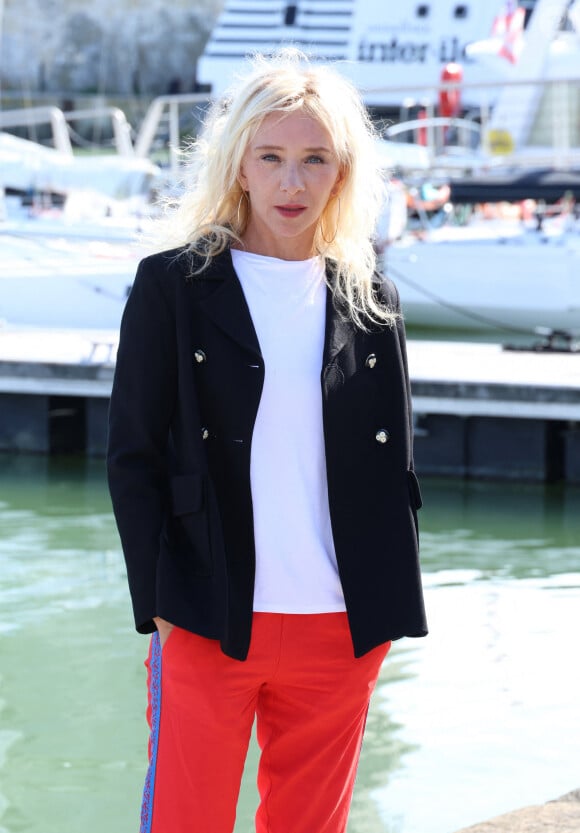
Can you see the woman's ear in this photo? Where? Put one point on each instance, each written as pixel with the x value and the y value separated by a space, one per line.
pixel 337 187
pixel 242 179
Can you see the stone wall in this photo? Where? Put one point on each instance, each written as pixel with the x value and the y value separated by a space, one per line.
pixel 105 46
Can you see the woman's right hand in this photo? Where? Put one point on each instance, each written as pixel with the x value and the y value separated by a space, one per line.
pixel 164 628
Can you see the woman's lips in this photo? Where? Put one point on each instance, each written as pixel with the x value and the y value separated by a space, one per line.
pixel 290 210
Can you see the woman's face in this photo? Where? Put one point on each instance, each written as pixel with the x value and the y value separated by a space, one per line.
pixel 290 172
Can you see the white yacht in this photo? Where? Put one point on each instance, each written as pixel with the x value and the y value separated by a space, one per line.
pixel 380 44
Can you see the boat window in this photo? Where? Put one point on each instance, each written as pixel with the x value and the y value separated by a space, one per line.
pixel 423 10
pixel 290 16
pixel 461 11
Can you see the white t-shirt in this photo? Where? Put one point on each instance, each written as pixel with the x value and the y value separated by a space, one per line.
pixel 296 569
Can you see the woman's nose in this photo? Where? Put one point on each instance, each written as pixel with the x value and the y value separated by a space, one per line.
pixel 292 181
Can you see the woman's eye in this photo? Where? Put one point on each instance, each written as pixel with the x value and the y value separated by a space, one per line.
pixel 315 160
pixel 270 157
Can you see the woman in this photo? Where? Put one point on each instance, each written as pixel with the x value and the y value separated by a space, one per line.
pixel 260 461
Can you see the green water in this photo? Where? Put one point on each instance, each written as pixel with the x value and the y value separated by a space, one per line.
pixel 479 718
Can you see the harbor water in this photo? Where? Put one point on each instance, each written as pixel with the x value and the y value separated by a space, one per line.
pixel 479 718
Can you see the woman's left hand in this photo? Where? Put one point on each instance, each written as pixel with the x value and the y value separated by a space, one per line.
pixel 164 628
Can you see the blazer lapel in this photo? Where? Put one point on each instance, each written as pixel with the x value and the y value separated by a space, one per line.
pixel 339 329
pixel 227 306
pixel 228 309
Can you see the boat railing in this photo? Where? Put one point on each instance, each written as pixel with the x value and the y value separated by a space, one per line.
pixel 164 112
pixel 122 130
pixel 32 116
pixel 536 130
pixel 59 121
pixel 466 132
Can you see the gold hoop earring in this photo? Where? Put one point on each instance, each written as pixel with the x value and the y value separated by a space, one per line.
pixel 333 238
pixel 242 195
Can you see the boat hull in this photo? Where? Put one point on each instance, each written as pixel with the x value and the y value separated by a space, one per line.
pixel 519 282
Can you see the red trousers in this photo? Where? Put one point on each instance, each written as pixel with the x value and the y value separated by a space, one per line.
pixel 310 697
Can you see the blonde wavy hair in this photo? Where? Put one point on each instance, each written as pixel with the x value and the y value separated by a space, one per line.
pixel 213 210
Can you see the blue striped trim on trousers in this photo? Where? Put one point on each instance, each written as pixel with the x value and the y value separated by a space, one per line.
pixel 155 700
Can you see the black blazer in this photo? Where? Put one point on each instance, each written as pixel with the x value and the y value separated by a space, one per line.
pixel 187 385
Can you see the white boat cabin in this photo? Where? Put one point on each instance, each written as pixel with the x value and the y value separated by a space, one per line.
pixel 381 43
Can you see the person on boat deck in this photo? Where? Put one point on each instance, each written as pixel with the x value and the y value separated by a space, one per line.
pixel 260 460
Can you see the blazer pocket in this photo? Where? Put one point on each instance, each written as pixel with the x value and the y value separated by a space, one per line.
pixel 189 536
pixel 414 490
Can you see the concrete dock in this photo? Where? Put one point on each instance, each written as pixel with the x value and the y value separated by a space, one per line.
pixel 480 411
